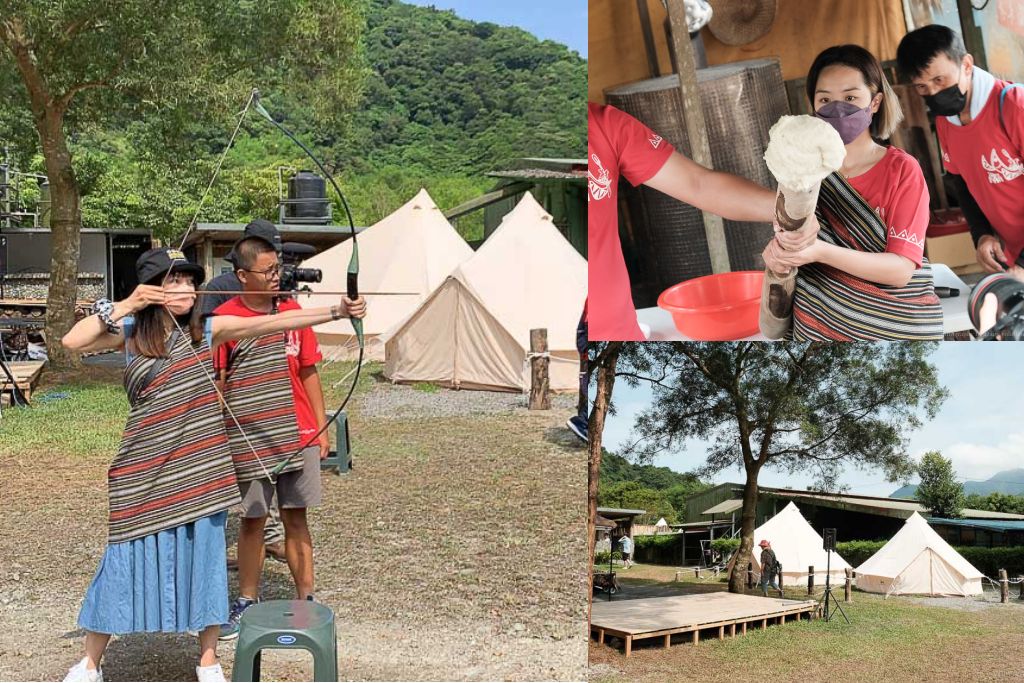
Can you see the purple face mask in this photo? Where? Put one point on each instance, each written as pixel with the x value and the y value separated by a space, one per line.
pixel 848 119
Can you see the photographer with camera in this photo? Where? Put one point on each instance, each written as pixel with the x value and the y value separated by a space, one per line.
pixel 273 531
pixel 298 487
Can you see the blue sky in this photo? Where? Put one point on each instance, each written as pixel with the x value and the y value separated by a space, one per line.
pixel 564 21
pixel 980 426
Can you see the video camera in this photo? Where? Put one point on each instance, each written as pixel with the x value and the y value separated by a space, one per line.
pixel 292 254
pixel 1009 291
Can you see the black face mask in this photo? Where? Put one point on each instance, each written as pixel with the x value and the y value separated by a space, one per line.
pixel 948 102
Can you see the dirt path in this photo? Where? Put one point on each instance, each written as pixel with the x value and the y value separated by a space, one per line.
pixel 456 549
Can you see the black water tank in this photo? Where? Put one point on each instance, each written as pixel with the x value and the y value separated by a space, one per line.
pixel 307 199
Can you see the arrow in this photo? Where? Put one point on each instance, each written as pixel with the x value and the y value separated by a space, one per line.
pixel 300 293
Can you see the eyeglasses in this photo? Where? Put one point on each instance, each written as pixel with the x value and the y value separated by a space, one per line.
pixel 269 273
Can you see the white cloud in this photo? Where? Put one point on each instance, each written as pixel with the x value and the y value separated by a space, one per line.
pixel 981 461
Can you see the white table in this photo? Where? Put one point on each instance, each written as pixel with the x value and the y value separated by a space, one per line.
pixel 954 311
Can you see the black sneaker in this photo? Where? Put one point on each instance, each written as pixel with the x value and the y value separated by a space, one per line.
pixel 579 427
pixel 229 629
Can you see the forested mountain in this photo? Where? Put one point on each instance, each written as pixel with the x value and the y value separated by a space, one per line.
pixel 440 101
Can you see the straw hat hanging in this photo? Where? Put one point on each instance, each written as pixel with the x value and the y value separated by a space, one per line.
pixel 738 22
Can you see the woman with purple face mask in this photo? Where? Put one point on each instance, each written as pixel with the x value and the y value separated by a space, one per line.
pixel 866 277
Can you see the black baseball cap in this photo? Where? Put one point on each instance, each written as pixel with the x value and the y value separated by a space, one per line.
pixel 264 230
pixel 155 263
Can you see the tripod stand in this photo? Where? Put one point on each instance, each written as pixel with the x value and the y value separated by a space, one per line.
pixel 828 601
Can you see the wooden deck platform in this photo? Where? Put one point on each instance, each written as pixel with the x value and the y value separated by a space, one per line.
pixel 26 374
pixel 716 613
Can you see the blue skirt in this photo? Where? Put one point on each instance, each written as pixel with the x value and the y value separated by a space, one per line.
pixel 172 581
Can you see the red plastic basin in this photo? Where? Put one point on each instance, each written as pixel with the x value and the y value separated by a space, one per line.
pixel 720 307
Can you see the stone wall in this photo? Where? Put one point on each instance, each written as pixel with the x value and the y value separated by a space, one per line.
pixel 91 286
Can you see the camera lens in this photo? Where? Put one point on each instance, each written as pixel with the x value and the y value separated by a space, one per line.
pixel 1006 288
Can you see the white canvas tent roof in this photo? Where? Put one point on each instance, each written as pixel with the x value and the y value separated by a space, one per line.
pixel 412 250
pixel 797 546
pixel 474 330
pixel 918 561
pixel 661 523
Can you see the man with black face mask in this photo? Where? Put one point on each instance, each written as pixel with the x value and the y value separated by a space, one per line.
pixel 980 123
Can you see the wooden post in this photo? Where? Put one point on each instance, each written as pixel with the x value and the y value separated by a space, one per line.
pixel 696 128
pixel 540 383
pixel 750 574
pixel 848 597
pixel 810 580
pixel 696 571
pixel 1021 579
pixel 696 636
pixel 668 640
pixel 1004 587
pixel 629 645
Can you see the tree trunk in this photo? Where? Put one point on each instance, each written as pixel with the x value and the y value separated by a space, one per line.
pixel 738 577
pixel 605 362
pixel 48 111
pixel 65 235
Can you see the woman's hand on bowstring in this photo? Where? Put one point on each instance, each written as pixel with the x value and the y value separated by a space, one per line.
pixel 143 296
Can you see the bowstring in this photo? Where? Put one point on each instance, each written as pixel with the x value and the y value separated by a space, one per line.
pixel 188 231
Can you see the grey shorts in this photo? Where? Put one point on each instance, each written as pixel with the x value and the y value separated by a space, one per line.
pixel 298 489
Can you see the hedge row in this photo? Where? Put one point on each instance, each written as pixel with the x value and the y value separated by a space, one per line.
pixel 987 560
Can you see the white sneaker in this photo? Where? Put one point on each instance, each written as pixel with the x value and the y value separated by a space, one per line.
pixel 212 674
pixel 79 674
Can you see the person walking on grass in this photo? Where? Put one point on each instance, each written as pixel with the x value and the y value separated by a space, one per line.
pixel 627 551
pixel 771 570
pixel 172 481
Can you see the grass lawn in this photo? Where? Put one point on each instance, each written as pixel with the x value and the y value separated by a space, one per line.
pixel 895 639
pixel 454 549
pixel 83 415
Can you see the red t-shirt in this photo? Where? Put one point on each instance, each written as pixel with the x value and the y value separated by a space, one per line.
pixel 989 161
pixel 301 348
pixel 895 189
pixel 617 144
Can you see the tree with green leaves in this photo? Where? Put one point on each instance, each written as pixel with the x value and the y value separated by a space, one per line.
pixel 632 495
pixel 605 361
pixel 71 65
pixel 812 408
pixel 939 490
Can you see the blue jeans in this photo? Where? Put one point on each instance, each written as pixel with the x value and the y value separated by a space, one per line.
pixel 766 581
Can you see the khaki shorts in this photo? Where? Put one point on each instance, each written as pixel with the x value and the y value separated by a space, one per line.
pixel 297 489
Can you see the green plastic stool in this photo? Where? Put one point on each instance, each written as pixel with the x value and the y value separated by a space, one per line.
pixel 286 625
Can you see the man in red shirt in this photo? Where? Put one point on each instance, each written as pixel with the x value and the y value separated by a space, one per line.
pixel 259 272
pixel 619 145
pixel 980 123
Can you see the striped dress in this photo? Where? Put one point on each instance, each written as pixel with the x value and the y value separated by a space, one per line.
pixel 259 394
pixel 831 305
pixel 174 464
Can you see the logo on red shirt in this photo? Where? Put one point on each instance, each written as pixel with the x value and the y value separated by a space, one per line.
pixel 1000 171
pixel 655 140
pixel 600 185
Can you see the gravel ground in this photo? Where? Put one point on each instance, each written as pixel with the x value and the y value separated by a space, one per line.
pixel 989 600
pixel 455 550
pixel 398 401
